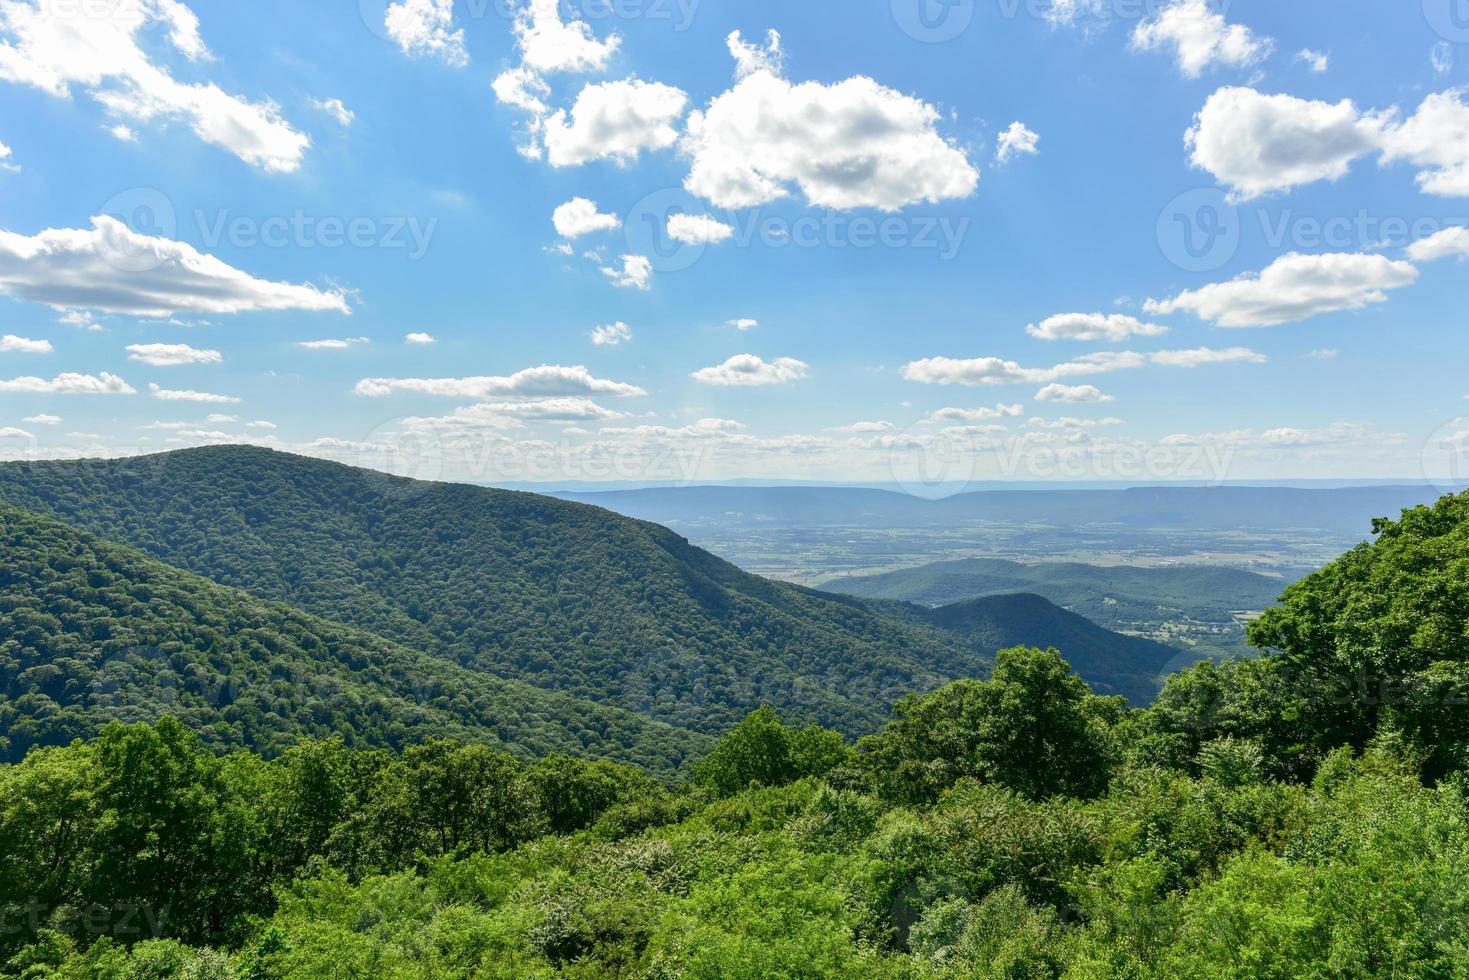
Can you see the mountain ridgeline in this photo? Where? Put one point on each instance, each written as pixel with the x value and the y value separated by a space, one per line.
pixel 558 595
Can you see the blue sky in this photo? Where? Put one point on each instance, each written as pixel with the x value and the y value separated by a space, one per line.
pixel 280 174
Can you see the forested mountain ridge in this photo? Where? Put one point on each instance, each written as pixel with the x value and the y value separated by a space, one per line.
pixel 92 632
pixel 557 594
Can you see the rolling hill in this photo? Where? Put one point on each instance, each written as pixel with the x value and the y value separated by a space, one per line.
pixel 92 632
pixel 525 587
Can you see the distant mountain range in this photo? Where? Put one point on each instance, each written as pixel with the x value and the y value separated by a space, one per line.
pixel 1344 511
pixel 1156 601
pixel 558 596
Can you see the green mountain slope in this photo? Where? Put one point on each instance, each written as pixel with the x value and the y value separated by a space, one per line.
pixel 92 632
pixel 1133 666
pixel 1201 604
pixel 558 594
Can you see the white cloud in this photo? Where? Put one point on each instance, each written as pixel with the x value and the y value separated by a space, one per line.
pixel 614 121
pixel 260 424
pixel 546 381
pixel 123 132
pixel 335 109
pixel 171 355
pixel 1199 356
pixel 982 413
pixel 10 432
pixel 636 272
pixel 342 343
pixel 1449 242
pixel 70 384
pixel 423 28
pixel 612 334
pixel 11 344
pixel 1072 394
pixel 215 418
pixel 743 323
pixel 847 145
pixel 1436 138
pixel 997 371
pixel 507 415
pixel 698 229
pixel 111 268
pixel 6 163
pixel 1323 353
pixel 1093 326
pixel 1293 287
pixel 549 45
pixel 1255 143
pixel 419 338
pixel 861 428
pixel 580 216
pixel 523 89
pixel 203 397
pixel 54 46
pixel 750 59
pixel 747 370
pixel 1201 38
pixel 42 419
pixel 1317 61
pixel 1018 139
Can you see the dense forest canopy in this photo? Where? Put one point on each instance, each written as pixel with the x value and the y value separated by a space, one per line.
pixel 1300 814
pixel 556 594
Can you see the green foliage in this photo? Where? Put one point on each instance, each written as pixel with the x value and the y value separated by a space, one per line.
pixel 91 632
pixel 1034 727
pixel 761 751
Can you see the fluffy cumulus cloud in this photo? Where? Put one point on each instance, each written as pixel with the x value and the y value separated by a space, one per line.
pixel 612 334
pixel 636 272
pixel 848 145
pixel 1293 287
pixel 42 419
pixel 172 355
pixel 998 371
pixel 580 216
pixel 6 161
pixel 420 338
pixel 425 29
pixel 744 323
pixel 1017 140
pixel 1093 326
pixel 497 416
pixel 201 397
pixel 1073 394
pixel 549 45
pixel 111 268
pixel 1449 243
pixel 748 370
pixel 1255 143
pixel 1317 61
pixel 11 344
pixel 70 384
pixel 96 48
pixel 866 428
pixel 698 229
pixel 614 121
pixel 1200 38
pixel 546 381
